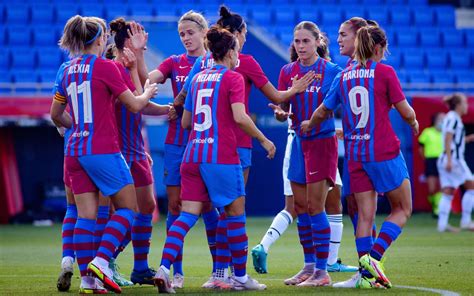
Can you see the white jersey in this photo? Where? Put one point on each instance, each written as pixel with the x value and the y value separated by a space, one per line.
pixel 453 124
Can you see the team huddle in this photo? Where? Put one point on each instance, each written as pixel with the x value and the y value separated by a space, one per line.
pixel 208 151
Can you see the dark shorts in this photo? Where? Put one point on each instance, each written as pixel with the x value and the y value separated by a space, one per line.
pixel 431 169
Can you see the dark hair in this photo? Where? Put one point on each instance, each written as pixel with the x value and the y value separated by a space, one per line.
pixel 220 41
pixel 453 100
pixel 434 117
pixel 110 51
pixel 119 28
pixel 322 49
pixel 81 32
pixel 233 22
pixel 357 22
pixel 366 40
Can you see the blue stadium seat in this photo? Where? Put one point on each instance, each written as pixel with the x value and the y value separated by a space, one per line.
pixel 331 16
pixel 417 2
pixel 167 10
pixel 45 37
pixel 285 17
pixel 436 59
pixel 460 59
pixel 442 77
pixel 5 77
pixel 308 14
pixel 23 58
pixel 49 60
pixel 242 9
pixel 394 60
pixel 286 38
pixel 378 13
pixel 423 17
pixel 114 11
pixel 262 18
pixel 47 76
pixel 407 38
pixel 419 77
pixel 413 60
pixel 402 76
pixel 2 13
pixel 395 2
pixel 22 76
pixel 368 3
pixel 19 36
pixel 3 36
pixel 400 16
pixel 42 14
pixel 4 59
pixel 453 38
pixel 469 38
pixel 93 10
pixel 140 9
pixel 445 16
pixel 352 11
pixel 18 14
pixel 65 11
pixel 465 77
pixel 351 2
pixel 430 38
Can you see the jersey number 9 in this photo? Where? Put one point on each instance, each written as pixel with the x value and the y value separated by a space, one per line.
pixel 363 109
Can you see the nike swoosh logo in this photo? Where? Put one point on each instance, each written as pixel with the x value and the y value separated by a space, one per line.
pixel 183 67
pixel 313 173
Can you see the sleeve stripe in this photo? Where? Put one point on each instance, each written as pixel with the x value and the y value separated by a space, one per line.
pixel 58 97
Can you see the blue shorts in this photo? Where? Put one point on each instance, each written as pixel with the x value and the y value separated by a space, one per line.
pixel 109 172
pixel 221 183
pixel 245 155
pixel 296 171
pixel 173 158
pixel 381 176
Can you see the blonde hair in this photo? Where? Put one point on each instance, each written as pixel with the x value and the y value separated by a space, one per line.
pixel 196 18
pixel 366 40
pixel 80 32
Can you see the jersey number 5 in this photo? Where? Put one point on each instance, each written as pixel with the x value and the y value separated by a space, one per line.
pixel 204 109
pixel 363 109
pixel 85 89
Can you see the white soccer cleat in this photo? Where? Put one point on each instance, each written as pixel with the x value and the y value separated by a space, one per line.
pixel 350 283
pixel 67 270
pixel 162 281
pixel 178 281
pixel 250 284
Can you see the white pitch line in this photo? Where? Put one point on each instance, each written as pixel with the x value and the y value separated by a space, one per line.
pixel 437 291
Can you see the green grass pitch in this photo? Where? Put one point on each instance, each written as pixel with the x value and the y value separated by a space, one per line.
pixel 421 257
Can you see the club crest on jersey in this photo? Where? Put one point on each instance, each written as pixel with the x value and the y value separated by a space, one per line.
pixel 318 77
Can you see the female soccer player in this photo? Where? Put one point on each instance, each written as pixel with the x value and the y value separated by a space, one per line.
pixel 248 67
pixel 452 167
pixel 192 28
pixel 283 219
pixel 313 160
pixel 133 148
pixel 211 167
pixel 367 90
pixel 90 84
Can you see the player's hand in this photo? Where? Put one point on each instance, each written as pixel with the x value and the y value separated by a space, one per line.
pixel 138 37
pixel 150 90
pixel 129 59
pixel 269 147
pixel 148 157
pixel 300 85
pixel 306 126
pixel 61 131
pixel 470 138
pixel 280 114
pixel 340 133
pixel 172 114
pixel 449 166
pixel 416 127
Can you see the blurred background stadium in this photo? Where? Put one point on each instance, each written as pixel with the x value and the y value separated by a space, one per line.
pixel 431 45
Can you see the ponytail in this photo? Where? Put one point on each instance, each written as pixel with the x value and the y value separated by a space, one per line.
pixel 79 33
pixel 366 40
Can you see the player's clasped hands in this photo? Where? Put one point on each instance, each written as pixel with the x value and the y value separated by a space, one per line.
pixel 306 126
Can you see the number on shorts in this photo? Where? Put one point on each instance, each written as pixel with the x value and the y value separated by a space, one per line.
pixel 85 89
pixel 204 109
pixel 364 109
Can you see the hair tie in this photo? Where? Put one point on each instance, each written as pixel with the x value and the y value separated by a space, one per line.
pixel 96 35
